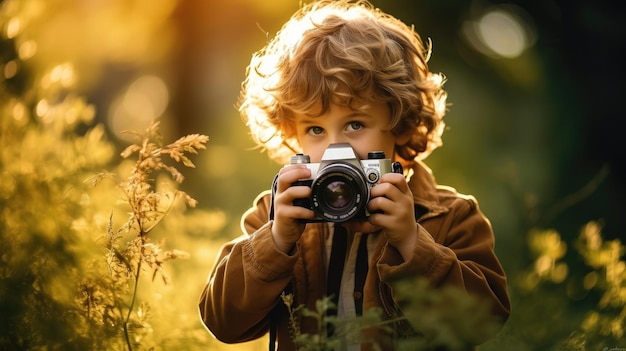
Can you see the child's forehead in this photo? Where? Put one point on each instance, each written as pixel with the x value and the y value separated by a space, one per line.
pixel 319 108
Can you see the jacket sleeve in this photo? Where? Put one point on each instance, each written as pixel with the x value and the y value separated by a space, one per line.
pixel 246 281
pixel 455 248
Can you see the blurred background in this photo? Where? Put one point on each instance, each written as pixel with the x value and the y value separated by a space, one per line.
pixel 532 125
pixel 533 88
pixel 533 129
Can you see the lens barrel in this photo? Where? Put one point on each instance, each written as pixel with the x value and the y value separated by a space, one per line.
pixel 339 192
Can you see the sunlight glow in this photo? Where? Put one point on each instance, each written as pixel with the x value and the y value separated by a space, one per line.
pixel 19 112
pixel 501 32
pixel 27 50
pixel 10 69
pixel 145 100
pixel 223 156
pixel 64 74
pixel 13 27
pixel 42 107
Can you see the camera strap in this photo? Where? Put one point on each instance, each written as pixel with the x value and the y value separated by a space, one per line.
pixel 335 266
pixel 360 272
pixel 274 185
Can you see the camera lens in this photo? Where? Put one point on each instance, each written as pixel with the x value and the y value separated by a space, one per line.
pixel 339 192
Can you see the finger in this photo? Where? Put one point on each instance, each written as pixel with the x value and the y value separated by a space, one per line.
pixel 392 187
pixel 291 168
pixel 293 192
pixel 382 220
pixel 380 204
pixel 382 190
pixel 294 213
pixel 288 176
pixel 285 207
pixel 396 179
pixel 397 205
pixel 375 220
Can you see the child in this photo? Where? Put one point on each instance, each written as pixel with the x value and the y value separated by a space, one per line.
pixel 344 72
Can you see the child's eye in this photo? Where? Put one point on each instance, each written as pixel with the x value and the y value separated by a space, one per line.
pixel 354 126
pixel 316 130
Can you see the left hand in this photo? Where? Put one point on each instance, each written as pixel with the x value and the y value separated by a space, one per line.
pixel 392 209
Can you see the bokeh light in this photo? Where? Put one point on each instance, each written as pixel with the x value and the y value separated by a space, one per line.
pixel 142 102
pixel 501 32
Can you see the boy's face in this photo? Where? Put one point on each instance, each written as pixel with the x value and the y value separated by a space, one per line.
pixel 364 129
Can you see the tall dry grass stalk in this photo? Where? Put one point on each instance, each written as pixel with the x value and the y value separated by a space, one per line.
pixel 128 261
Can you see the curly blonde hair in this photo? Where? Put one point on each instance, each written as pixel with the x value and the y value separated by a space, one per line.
pixel 342 52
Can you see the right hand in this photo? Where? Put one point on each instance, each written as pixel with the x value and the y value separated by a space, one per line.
pixel 288 227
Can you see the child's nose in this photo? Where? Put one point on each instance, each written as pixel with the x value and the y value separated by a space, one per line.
pixel 336 138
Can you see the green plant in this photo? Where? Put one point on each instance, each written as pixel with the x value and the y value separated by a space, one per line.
pixel 603 326
pixel 434 318
pixel 346 330
pixel 43 159
pixel 445 318
pixel 571 297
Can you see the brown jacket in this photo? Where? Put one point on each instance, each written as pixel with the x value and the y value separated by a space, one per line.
pixel 241 299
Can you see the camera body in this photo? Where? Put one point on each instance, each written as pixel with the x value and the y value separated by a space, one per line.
pixel 341 182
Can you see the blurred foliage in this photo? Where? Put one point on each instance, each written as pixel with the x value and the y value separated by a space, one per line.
pixel 66 275
pixel 567 306
pixel 546 298
pixel 63 64
pixel 42 198
pixel 434 318
pixel 345 330
pixel 446 317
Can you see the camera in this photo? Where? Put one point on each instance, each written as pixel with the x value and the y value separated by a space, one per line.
pixel 341 182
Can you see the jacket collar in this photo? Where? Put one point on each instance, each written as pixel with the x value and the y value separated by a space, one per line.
pixel 425 189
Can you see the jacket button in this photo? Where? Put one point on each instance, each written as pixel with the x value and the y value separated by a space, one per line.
pixel 357 295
